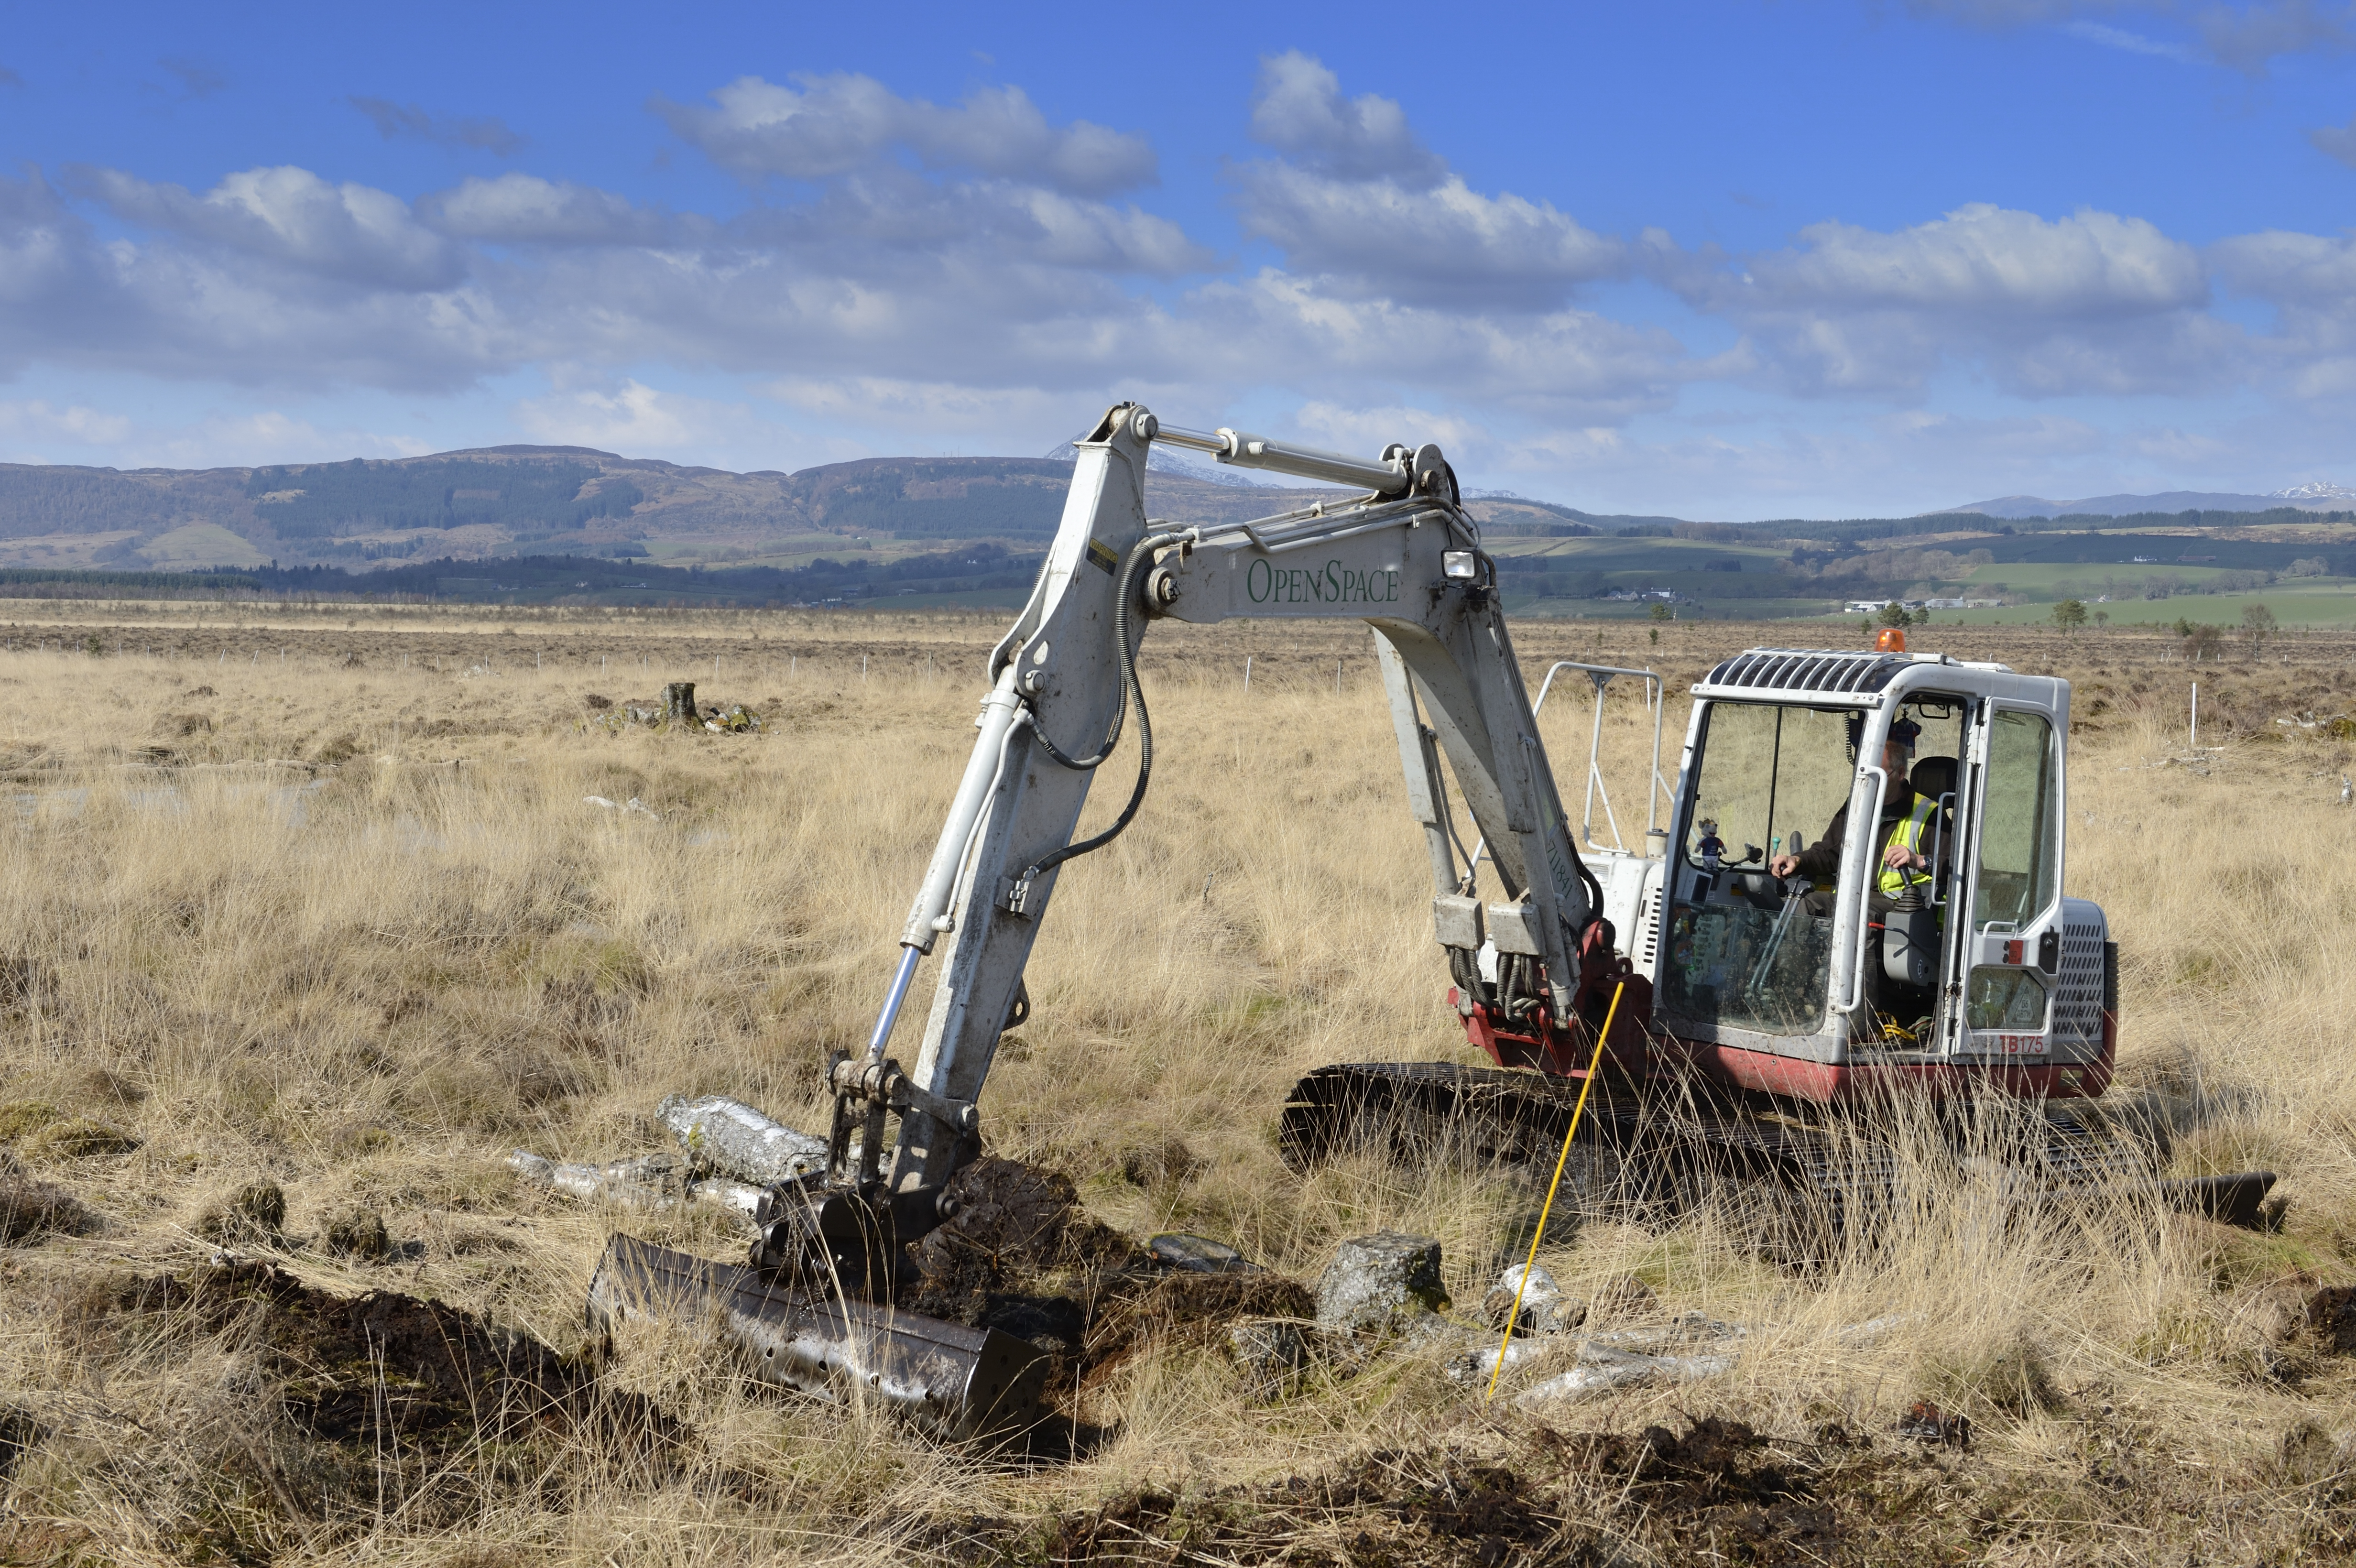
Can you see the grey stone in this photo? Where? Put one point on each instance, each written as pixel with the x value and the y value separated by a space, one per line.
pixel 733 1138
pixel 1545 1310
pixel 1198 1255
pixel 1375 1281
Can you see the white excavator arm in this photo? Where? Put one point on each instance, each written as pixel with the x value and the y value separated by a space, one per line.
pixel 1406 559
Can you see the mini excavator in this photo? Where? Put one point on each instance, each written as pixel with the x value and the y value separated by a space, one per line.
pixel 1753 1006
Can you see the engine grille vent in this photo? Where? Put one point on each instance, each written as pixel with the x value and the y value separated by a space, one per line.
pixel 2078 989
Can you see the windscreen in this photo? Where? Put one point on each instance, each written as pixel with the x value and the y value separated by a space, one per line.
pixel 1744 949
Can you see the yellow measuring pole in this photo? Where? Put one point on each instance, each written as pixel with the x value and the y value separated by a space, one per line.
pixel 1593 1067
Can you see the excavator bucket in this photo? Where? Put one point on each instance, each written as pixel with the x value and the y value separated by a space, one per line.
pixel 957 1383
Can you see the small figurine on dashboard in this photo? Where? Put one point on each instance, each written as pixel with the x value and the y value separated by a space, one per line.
pixel 1710 848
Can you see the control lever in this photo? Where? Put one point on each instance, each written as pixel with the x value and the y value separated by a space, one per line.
pixel 1795 892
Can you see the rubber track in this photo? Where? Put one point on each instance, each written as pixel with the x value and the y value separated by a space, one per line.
pixel 1671 1150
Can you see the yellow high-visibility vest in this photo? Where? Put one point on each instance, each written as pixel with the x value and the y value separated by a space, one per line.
pixel 1907 831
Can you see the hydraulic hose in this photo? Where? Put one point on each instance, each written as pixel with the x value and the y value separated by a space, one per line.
pixel 1130 691
pixel 1120 636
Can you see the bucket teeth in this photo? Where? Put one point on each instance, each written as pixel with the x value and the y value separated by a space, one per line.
pixel 955 1382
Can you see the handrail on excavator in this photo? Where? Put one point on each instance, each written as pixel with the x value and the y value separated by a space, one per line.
pixel 1601 676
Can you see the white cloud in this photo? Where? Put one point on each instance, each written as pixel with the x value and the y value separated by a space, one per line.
pixel 1440 243
pixel 632 418
pixel 1982 258
pixel 2089 302
pixel 636 419
pixel 866 224
pixel 351 233
pixel 248 440
pixel 835 124
pixel 929 414
pixel 2310 280
pixel 1339 427
pixel 1299 110
pixel 1360 203
pixel 74 425
pixel 524 209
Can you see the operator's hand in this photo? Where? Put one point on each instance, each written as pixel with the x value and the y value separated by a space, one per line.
pixel 1899 858
pixel 1783 865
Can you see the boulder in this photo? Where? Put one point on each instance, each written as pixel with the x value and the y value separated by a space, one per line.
pixel 1379 1281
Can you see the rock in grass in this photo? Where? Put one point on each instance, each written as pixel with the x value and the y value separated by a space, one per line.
pixel 1377 1281
pixel 255 1212
pixel 1545 1310
pixel 357 1232
pixel 1198 1255
pixel 77 1138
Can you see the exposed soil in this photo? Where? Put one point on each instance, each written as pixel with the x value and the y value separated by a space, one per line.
pixel 1721 1492
pixel 2330 1318
pixel 1022 1256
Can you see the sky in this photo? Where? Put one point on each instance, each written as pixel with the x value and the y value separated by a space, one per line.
pixel 1733 260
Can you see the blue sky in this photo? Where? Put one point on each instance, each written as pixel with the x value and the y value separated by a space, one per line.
pixel 1736 260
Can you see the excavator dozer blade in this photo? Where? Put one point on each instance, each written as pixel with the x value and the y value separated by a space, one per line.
pixel 955 1382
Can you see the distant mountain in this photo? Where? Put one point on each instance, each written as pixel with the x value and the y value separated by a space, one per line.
pixel 2314 498
pixel 568 501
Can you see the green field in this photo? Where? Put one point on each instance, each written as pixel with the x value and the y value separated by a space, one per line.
pixel 2309 602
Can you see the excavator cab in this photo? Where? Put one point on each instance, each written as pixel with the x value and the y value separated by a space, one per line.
pixel 1797 956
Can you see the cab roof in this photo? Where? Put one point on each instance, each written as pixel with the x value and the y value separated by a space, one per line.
pixel 1818 672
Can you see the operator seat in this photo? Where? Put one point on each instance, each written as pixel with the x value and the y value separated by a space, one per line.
pixel 1934 777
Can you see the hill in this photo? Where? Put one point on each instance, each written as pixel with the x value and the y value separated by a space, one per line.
pixel 2304 497
pixel 537 523
pixel 500 501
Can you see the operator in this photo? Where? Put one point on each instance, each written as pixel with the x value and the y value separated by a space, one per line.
pixel 1905 815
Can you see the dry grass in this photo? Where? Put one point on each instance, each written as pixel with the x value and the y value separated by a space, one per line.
pixel 351 928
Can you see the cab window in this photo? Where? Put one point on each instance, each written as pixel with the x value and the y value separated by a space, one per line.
pixel 2015 880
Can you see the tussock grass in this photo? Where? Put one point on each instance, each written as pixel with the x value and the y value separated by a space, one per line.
pixel 351 930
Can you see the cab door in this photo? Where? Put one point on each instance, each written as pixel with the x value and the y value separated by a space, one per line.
pixel 2005 910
